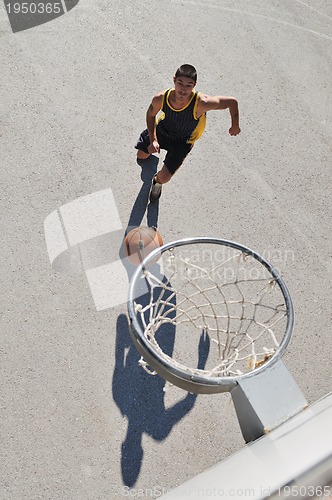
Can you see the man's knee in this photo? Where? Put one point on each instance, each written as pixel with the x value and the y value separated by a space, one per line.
pixel 141 155
pixel 164 175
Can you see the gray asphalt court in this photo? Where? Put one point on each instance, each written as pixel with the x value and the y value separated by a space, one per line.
pixel 80 419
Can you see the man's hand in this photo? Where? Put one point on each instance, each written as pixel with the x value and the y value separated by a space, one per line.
pixel 234 130
pixel 154 147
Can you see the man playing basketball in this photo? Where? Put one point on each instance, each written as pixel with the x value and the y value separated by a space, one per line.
pixel 180 124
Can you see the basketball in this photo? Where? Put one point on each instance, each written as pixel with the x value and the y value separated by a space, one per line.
pixel 139 242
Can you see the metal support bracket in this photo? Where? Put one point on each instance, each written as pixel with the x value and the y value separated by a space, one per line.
pixel 265 400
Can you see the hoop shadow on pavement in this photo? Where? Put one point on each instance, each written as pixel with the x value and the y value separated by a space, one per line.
pixel 140 396
pixel 26 15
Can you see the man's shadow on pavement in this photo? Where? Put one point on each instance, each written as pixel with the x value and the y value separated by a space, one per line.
pixel 149 169
pixel 140 396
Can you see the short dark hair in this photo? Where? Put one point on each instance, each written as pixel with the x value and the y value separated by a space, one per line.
pixel 188 71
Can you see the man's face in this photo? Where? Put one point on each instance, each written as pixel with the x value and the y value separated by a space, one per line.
pixel 183 87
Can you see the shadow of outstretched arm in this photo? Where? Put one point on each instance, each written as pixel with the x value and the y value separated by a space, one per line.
pixel 176 412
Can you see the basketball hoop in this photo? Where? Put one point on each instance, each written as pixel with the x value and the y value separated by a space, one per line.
pixel 224 309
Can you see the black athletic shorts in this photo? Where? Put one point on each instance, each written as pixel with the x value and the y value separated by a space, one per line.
pixel 176 151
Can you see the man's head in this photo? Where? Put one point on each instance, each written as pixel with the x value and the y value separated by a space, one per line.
pixel 186 71
pixel 184 81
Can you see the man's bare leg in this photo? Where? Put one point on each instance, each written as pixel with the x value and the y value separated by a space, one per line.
pixel 163 176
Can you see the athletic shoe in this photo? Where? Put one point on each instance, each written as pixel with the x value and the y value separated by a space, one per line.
pixel 155 191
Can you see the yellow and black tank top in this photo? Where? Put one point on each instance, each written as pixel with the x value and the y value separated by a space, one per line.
pixel 181 125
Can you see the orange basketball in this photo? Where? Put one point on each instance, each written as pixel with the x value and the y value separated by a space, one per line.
pixel 140 241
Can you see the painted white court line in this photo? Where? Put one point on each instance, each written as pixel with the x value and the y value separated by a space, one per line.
pixel 252 14
pixel 313 9
pixel 63 3
pixel 90 216
pixel 85 236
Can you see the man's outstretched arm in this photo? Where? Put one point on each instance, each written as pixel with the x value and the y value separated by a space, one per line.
pixel 208 103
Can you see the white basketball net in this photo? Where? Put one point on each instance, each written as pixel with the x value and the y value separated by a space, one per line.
pixel 216 297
